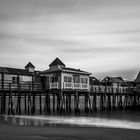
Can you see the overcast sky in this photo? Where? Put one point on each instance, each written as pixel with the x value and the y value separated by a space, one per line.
pixel 98 36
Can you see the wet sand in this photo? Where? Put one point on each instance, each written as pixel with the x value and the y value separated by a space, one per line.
pixel 15 132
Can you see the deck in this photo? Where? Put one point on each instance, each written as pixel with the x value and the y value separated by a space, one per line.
pixel 23 97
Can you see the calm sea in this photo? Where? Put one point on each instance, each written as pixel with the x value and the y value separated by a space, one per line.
pixel 127 119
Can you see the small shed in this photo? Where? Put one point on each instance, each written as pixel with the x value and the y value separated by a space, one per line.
pixel 113 84
pixel 137 83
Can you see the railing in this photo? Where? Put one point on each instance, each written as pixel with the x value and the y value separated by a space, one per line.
pixel 54 85
pixel 22 86
pixel 76 86
pixel 114 90
pixel 84 86
pixel 68 85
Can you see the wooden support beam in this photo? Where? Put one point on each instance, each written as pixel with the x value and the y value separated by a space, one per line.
pixel 94 103
pixel 25 104
pixel 76 103
pixel 29 101
pixel 18 108
pixel 2 92
pixel 109 101
pixel 34 103
pixel 54 102
pixel 10 103
pixel 69 98
pixel 40 103
pixel 48 103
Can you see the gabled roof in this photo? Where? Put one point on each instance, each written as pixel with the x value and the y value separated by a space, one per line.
pixel 55 69
pixel 137 80
pixel 4 70
pixel 67 70
pixel 72 70
pixel 16 71
pixel 29 65
pixel 113 79
pixel 94 80
pixel 57 62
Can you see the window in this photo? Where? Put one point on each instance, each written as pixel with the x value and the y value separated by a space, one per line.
pixel 76 79
pixel 67 79
pixel 84 80
pixel 14 80
pixel 54 79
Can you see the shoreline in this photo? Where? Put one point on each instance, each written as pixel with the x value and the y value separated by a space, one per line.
pixel 16 132
pixel 71 121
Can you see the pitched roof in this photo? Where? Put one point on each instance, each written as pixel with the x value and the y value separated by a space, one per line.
pixel 66 69
pixel 137 80
pixel 17 71
pixel 94 80
pixel 114 79
pixel 72 70
pixel 29 65
pixel 2 69
pixel 55 69
pixel 57 62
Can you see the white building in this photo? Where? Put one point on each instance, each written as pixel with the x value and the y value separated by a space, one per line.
pixel 58 76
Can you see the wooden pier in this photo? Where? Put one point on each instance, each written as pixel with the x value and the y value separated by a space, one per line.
pixel 63 90
pixel 31 99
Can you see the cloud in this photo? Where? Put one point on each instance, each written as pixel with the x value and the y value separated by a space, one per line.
pixel 94 35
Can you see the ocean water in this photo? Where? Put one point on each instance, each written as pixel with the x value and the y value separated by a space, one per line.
pixel 112 119
pixel 127 119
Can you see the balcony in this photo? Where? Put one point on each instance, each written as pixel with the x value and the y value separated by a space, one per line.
pixel 68 85
pixel 54 85
pixel 79 86
pixel 84 86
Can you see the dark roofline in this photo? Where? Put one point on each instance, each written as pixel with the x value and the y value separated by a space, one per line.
pixel 16 71
pixel 56 62
pixel 137 80
pixel 67 70
pixel 113 78
pixel 29 65
pixel 77 71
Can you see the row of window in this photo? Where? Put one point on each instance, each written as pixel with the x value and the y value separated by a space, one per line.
pixel 16 79
pixel 68 79
pixel 76 79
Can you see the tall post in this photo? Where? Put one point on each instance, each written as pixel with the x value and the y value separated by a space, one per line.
pixel 2 93
pixel 10 104
pixel 29 100
pixel 53 102
pixel 25 106
pixel 69 96
pixel 33 94
pixel 94 101
pixel 40 103
pixel 48 102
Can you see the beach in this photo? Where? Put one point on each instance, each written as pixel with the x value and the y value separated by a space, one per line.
pixel 16 132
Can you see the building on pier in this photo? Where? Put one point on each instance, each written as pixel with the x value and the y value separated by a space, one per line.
pixel 58 76
pixel 113 84
pixel 137 83
pixel 94 84
pixel 14 76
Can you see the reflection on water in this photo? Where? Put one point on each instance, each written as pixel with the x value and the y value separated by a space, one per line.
pixel 124 120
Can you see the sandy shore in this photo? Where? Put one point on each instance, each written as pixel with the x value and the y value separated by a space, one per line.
pixel 14 132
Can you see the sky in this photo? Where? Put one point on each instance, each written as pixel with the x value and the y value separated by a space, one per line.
pixel 98 36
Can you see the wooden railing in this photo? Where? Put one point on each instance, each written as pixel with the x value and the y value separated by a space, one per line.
pixel 103 89
pixel 68 85
pixel 81 86
pixel 54 85
pixel 22 85
pixel 33 86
